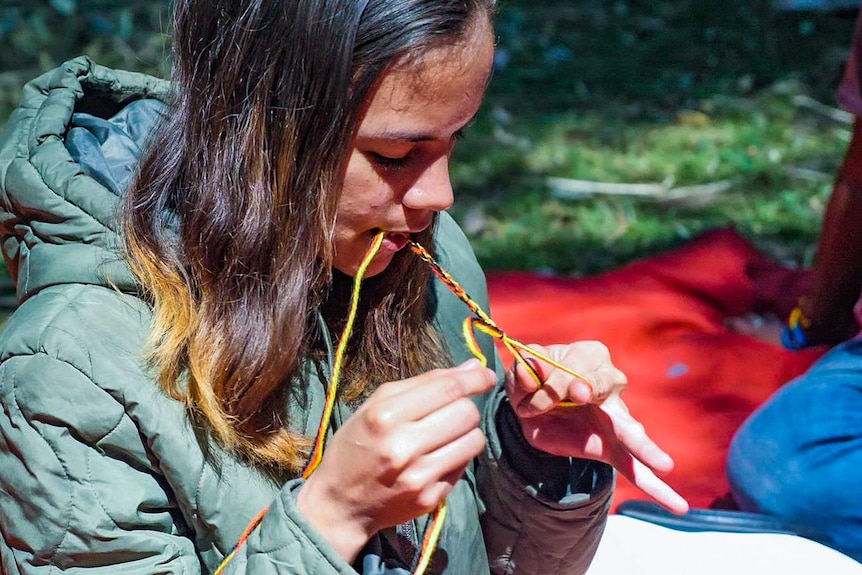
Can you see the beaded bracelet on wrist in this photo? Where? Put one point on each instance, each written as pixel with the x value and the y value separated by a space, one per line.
pixel 794 336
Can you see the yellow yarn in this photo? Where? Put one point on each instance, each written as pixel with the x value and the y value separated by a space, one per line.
pixel 481 322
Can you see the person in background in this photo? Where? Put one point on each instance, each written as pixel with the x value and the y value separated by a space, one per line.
pixel 799 456
pixel 186 257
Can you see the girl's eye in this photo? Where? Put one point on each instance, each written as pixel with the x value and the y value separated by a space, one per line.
pixel 389 163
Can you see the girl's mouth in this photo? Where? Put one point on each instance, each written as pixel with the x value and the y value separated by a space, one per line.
pixel 394 241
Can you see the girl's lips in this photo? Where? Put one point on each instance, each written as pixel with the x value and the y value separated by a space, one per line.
pixel 394 241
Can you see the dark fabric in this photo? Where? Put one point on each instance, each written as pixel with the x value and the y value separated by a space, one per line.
pixel 108 149
pixel 849 93
pixel 718 520
pixel 562 479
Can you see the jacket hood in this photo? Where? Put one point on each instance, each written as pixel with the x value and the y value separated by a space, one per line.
pixel 65 158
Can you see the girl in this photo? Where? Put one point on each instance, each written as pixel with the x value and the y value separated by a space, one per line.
pixel 166 374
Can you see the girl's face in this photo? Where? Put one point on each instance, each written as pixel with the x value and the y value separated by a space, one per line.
pixel 397 175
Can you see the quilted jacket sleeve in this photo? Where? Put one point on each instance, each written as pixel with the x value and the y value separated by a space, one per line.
pixel 76 498
pixel 76 495
pixel 543 513
pixel 285 544
pixel 82 486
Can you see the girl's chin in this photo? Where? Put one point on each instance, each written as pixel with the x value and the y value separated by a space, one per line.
pixel 378 265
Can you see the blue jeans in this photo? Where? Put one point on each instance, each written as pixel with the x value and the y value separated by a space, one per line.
pixel 799 456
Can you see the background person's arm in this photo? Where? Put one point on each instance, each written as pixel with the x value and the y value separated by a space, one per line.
pixel 837 270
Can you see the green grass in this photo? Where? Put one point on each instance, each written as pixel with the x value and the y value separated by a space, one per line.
pixel 778 159
pixel 685 92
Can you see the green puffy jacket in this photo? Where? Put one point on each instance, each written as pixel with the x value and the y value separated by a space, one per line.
pixel 102 473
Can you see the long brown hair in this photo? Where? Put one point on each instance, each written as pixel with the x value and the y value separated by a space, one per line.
pixel 229 223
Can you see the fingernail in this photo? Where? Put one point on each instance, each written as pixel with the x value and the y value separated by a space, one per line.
pixel 536 367
pixel 492 375
pixel 471 363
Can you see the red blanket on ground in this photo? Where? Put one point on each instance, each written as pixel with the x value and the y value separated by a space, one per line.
pixel 691 380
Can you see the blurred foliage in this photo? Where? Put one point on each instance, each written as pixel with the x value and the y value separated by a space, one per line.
pixel 38 35
pixel 559 54
pixel 688 91
pixel 552 54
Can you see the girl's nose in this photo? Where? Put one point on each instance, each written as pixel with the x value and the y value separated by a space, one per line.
pixel 433 189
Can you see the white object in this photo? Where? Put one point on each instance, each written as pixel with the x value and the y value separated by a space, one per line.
pixel 634 547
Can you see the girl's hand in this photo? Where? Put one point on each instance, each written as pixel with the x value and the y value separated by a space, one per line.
pixel 601 428
pixel 398 457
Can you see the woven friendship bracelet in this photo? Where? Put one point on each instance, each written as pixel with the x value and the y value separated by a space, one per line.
pixel 479 321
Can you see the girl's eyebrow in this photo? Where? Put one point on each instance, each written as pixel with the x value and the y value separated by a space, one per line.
pixel 414 137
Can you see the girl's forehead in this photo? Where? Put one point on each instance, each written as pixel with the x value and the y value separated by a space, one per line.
pixel 446 73
pixel 448 60
pixel 433 97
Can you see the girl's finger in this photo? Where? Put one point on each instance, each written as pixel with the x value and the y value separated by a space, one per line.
pixel 633 437
pixel 648 482
pixel 415 398
pixel 455 455
pixel 438 429
pixel 438 471
pixel 527 397
pixel 597 378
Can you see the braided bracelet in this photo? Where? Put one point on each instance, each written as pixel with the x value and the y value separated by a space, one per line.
pixel 794 336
